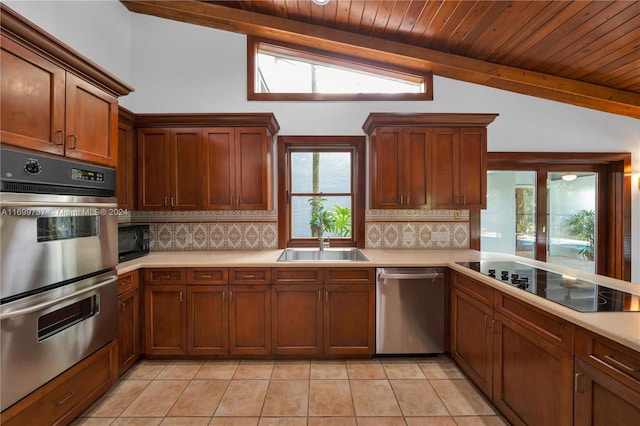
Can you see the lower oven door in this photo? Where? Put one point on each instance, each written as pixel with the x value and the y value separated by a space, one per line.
pixel 45 334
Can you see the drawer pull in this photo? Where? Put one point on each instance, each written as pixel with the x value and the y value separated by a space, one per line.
pixel 250 276
pixel 164 277
pixel 68 397
pixel 206 276
pixel 620 364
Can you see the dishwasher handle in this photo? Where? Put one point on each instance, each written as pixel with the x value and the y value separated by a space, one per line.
pixel 400 276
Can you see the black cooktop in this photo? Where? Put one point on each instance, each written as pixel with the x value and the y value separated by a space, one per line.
pixel 577 294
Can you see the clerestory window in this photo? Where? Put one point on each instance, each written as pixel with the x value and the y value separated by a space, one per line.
pixel 279 71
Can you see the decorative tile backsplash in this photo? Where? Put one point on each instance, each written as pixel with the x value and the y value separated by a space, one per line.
pixel 258 230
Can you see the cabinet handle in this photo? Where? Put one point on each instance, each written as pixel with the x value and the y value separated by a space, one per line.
pixel 230 297
pixel 61 139
pixel 462 200
pixel 401 200
pixel 224 296
pixel 164 277
pixel 250 276
pixel 173 202
pixel 576 383
pixel 207 276
pixel 620 364
pixel 319 295
pixel 74 138
pixel 68 397
pixel 181 297
pixel 166 201
pixel 326 296
pixel 123 308
pixel 486 324
pixel 493 327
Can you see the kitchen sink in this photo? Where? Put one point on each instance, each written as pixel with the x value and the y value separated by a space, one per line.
pixel 326 255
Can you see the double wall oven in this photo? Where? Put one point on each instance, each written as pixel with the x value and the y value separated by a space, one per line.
pixel 58 284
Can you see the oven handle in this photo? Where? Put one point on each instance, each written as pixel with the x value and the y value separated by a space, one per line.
pixel 56 204
pixel 45 305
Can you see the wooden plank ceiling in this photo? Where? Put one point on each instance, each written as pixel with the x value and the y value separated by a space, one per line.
pixel 584 53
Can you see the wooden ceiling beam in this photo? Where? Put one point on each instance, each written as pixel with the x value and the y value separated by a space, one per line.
pixel 457 67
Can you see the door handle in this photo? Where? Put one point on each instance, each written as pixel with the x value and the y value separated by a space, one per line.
pixel 576 383
pixel 75 141
pixel 61 139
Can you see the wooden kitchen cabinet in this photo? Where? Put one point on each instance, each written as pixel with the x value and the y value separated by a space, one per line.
pixel 127 164
pixel 349 311
pixel 459 168
pixel 249 319
pixel 428 160
pixel 129 325
pixel 53 99
pixel 237 167
pixel 297 311
pixel 169 168
pixel 165 317
pixel 208 320
pixel 472 336
pixel 606 382
pixel 399 165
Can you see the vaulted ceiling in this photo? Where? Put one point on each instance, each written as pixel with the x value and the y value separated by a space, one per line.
pixel 584 53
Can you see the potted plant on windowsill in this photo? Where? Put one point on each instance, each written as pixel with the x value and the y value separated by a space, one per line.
pixel 581 226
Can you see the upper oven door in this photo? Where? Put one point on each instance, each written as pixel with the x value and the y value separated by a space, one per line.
pixel 50 239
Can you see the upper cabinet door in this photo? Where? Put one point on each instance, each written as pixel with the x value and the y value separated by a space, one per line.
pixel 186 169
pixel 387 168
pixel 219 168
pixel 473 167
pixel 32 101
pixel 154 165
pixel 253 169
pixel 416 168
pixel 91 123
pixel 444 168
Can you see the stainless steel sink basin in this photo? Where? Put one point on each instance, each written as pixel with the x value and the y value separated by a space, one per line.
pixel 326 255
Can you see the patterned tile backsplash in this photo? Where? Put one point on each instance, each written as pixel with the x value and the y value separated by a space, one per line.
pixel 385 229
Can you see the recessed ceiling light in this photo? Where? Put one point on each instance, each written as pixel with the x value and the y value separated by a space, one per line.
pixel 569 177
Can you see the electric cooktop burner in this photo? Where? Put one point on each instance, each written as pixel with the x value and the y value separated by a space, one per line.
pixel 577 294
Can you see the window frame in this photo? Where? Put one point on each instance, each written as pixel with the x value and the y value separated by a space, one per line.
pixel 287 144
pixel 345 61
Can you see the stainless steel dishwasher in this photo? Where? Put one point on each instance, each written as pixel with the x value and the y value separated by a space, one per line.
pixel 409 311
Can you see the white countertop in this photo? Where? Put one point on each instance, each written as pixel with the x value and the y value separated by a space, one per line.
pixel 621 327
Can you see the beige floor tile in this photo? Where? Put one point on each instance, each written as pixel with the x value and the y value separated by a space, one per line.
pixel 330 398
pixel 365 370
pixel 156 399
pixel 430 421
pixel 254 370
pixel 480 421
pixel 287 398
pixel 403 370
pixel 243 398
pixel 418 398
pixel 440 368
pixel 200 398
pixel 145 370
pixel 217 370
pixel 93 421
pixel 282 421
pixel 374 398
pixel 179 371
pixel 381 421
pixel 234 421
pixel 328 370
pixel 331 421
pixel 112 404
pixel 461 398
pixel 137 421
pixel 291 370
pixel 185 421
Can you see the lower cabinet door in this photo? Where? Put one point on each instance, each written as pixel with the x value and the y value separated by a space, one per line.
pixel 349 319
pixel 601 400
pixel 533 377
pixel 165 319
pixel 207 320
pixel 296 312
pixel 249 319
pixel 128 329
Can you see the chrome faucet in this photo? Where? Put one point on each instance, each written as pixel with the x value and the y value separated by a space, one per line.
pixel 323 242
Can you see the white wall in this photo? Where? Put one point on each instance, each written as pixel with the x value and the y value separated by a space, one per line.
pixel 178 67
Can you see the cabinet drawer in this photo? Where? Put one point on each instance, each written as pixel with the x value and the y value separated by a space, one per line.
pixel 349 275
pixel 128 281
pixel 296 275
pixel 207 276
pixel 249 276
pixel 67 395
pixel 615 359
pixel 547 326
pixel 165 276
pixel 482 291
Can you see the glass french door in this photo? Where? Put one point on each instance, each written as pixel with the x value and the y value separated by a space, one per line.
pixel 547 215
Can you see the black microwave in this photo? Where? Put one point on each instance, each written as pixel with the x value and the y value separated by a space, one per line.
pixel 133 241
